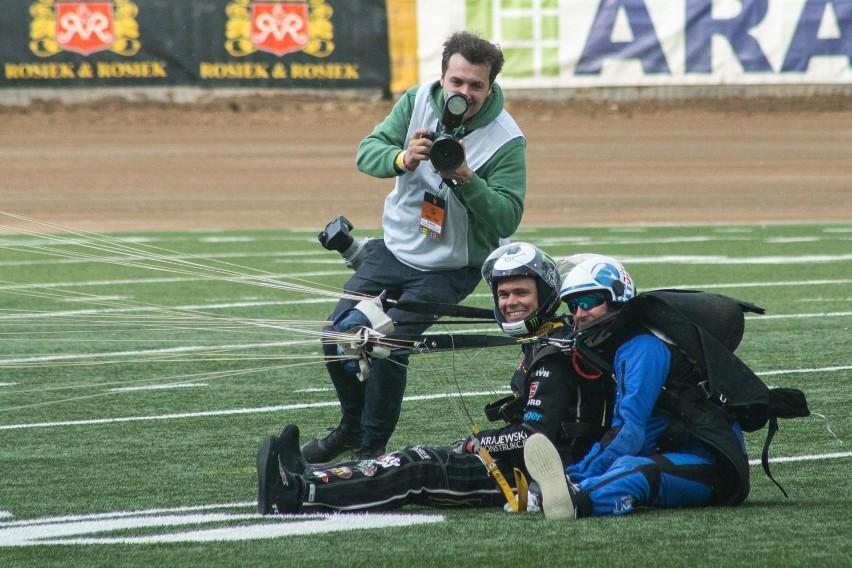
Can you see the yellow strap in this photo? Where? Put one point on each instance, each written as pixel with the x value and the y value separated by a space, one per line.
pixel 523 488
pixel 495 472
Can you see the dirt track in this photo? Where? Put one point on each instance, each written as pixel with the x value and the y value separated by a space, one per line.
pixel 289 163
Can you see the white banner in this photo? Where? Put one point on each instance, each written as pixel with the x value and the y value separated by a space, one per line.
pixel 620 43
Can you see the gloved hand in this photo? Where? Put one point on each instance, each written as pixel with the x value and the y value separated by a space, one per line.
pixel 349 319
pixel 365 321
pixel 367 313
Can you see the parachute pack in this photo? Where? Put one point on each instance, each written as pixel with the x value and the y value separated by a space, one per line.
pixel 707 328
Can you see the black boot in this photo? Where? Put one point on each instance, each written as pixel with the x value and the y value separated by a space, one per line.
pixel 278 490
pixel 341 441
pixel 289 453
pixel 369 452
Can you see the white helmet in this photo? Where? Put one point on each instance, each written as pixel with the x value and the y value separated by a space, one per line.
pixel 565 265
pixel 523 259
pixel 598 273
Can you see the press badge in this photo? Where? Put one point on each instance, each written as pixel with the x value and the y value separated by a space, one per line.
pixel 432 216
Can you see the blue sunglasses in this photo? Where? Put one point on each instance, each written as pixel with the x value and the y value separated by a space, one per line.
pixel 586 301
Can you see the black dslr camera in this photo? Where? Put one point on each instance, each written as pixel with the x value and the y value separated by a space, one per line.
pixel 336 237
pixel 447 152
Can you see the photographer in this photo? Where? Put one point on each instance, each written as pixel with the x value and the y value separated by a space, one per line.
pixel 438 226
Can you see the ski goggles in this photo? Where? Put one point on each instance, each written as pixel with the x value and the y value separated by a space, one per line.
pixel 586 301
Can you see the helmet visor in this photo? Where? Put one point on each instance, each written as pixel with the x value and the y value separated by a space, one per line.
pixel 586 301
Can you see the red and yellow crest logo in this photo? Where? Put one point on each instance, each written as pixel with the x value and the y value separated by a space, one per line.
pixel 279 27
pixel 84 27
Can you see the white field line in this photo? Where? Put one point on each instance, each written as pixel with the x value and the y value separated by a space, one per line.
pixel 143 352
pixel 312 258
pixel 126 258
pixel 135 281
pixel 810 457
pixel 800 371
pixel 253 504
pixel 307 405
pixel 218 306
pixel 232 411
pixel 687 259
pixel 159 387
pixel 140 281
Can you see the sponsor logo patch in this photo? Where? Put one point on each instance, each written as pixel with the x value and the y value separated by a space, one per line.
pixel 388 460
pixel 321 474
pixel 422 452
pixel 344 472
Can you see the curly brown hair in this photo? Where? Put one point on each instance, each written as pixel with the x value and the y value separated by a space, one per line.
pixel 475 49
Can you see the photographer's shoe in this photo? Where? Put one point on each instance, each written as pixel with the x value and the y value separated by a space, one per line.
pixel 365 453
pixel 289 453
pixel 341 441
pixel 545 466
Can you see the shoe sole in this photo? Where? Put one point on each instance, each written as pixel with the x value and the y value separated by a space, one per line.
pixel 545 466
pixel 264 454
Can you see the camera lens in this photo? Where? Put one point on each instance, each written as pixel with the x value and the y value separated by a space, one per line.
pixel 446 154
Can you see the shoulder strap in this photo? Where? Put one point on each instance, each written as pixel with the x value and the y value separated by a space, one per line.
pixel 783 403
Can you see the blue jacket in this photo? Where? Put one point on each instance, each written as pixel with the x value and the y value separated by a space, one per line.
pixel 641 366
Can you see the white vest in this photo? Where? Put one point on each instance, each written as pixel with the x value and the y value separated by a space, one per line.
pixel 403 206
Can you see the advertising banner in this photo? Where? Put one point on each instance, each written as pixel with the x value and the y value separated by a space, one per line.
pixel 613 43
pixel 326 44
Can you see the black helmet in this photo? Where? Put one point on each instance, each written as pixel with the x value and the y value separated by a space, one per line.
pixel 523 259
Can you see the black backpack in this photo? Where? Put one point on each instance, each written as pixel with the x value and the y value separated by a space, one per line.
pixel 707 328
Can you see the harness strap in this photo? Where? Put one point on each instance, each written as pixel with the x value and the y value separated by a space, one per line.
pixel 495 472
pixel 413 344
pixel 576 359
pixel 523 488
pixel 439 309
pixel 764 456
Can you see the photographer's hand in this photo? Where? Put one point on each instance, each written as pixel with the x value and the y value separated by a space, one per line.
pixel 418 149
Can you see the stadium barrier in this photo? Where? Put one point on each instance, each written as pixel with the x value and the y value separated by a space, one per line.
pixel 182 50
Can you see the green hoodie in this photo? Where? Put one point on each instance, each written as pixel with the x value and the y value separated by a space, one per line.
pixel 493 199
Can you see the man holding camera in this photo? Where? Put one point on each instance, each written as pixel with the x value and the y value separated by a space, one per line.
pixel 439 226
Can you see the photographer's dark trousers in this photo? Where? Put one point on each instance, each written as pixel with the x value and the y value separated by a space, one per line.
pixel 373 406
pixel 418 475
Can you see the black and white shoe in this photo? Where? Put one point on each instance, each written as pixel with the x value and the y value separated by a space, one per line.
pixel 545 466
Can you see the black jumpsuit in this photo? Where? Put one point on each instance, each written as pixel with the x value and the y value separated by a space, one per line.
pixel 552 399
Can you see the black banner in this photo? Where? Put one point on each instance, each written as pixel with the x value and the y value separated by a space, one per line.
pixel 316 44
